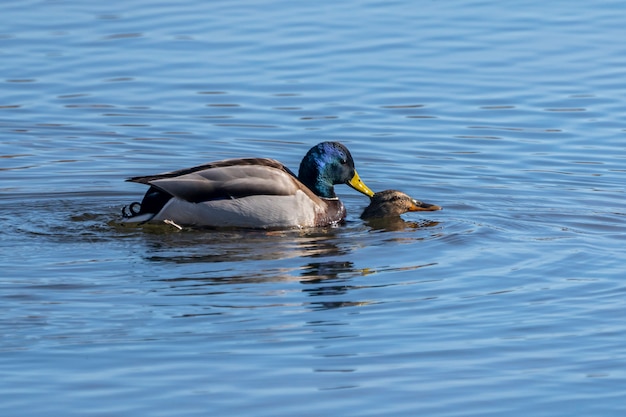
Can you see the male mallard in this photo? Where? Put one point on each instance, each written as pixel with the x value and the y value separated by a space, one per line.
pixel 392 203
pixel 251 192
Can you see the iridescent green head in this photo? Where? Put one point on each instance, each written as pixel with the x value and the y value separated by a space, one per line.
pixel 327 164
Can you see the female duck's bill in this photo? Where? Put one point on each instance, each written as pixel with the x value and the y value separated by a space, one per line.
pixel 393 203
pixel 251 192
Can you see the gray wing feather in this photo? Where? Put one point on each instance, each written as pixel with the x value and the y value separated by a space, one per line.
pixel 233 181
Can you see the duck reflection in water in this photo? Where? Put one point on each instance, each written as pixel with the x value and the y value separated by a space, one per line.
pixel 386 207
pixel 331 279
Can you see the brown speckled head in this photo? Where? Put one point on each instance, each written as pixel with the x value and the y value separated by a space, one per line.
pixel 392 203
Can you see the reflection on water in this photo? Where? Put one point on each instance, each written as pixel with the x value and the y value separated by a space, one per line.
pixel 508 302
pixel 235 246
pixel 167 244
pixel 227 270
pixel 398 224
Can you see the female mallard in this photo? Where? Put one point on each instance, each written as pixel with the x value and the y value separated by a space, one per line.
pixel 251 192
pixel 392 203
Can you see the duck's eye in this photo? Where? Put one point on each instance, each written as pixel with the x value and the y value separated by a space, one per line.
pixel 343 161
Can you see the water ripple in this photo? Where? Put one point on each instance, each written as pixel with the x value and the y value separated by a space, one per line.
pixel 509 301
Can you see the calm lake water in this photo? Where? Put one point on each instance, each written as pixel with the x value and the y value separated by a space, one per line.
pixel 510 301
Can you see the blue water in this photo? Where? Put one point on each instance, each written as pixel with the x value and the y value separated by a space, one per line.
pixel 510 301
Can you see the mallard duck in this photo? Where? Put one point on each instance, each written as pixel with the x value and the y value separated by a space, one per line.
pixel 251 192
pixel 393 203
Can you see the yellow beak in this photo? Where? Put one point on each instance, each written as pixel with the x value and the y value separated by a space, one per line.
pixel 359 185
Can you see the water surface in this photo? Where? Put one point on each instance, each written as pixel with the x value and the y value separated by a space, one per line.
pixel 510 301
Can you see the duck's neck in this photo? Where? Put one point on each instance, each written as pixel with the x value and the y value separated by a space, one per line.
pixel 312 175
pixel 319 185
